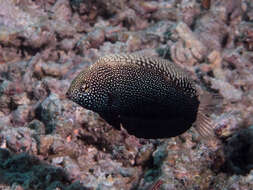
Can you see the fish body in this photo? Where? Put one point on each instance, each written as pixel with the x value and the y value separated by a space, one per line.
pixel 151 97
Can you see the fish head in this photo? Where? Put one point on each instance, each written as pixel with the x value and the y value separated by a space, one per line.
pixel 86 92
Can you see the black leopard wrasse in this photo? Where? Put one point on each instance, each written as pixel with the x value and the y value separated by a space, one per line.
pixel 149 96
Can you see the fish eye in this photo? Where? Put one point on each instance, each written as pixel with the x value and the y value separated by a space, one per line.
pixel 85 88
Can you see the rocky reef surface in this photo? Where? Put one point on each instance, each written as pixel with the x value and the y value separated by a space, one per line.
pixel 48 142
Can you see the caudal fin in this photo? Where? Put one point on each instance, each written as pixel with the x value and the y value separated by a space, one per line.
pixel 204 125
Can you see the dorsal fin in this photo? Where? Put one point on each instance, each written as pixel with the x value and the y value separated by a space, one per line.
pixel 151 62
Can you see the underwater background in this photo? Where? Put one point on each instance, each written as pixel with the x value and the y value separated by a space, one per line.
pixel 49 142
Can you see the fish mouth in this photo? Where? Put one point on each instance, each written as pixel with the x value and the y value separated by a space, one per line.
pixel 68 95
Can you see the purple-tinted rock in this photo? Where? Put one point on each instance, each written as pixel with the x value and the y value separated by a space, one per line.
pixel 49 110
pixel 21 115
pixel 68 44
pixel 45 44
pixel 39 90
pixel 188 50
pixel 38 126
pixel 62 10
pixel 21 99
pixel 45 143
pixel 71 167
pixel 5 102
pixel 227 90
pixel 96 37
pixel 189 10
pixel 20 140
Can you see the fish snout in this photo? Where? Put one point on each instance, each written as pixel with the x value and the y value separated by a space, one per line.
pixel 68 94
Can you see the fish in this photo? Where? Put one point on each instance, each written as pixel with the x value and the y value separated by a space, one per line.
pixel 152 98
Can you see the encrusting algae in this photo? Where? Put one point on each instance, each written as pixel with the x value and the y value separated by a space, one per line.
pixel 149 96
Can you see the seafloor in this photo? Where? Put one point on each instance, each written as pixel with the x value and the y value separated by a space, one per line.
pixel 48 142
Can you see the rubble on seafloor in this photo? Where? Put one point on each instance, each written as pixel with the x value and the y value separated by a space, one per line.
pixel 48 142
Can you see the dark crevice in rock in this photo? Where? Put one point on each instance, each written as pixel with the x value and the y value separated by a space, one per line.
pixel 31 173
pixel 239 153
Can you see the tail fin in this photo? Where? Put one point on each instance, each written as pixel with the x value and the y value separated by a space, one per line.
pixel 204 125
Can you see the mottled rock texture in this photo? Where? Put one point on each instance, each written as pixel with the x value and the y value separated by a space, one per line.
pixel 48 142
